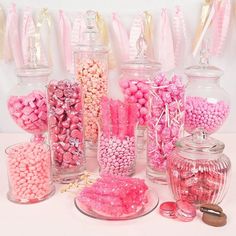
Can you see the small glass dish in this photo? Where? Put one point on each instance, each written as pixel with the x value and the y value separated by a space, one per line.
pixel 152 203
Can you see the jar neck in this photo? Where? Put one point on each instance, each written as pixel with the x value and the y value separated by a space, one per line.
pixel 33 79
pixel 205 80
pixel 199 156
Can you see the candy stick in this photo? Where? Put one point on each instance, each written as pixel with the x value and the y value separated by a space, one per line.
pixel 132 118
pixel 122 117
pixel 114 116
pixel 106 116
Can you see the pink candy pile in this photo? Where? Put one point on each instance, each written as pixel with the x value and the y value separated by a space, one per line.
pixel 114 196
pixel 92 75
pixel 29 111
pixel 29 167
pixel 197 181
pixel 201 113
pixel 165 120
pixel 65 124
pixel 136 91
pixel 116 147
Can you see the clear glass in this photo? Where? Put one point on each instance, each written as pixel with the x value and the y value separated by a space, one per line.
pixel 198 171
pixel 91 70
pixel 29 173
pixel 27 101
pixel 207 103
pixel 66 135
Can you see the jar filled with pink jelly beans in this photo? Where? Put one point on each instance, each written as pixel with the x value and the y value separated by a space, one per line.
pixel 198 170
pixel 207 103
pixel 116 152
pixel 91 70
pixel 134 81
pixel 27 99
pixel 65 123
pixel 29 172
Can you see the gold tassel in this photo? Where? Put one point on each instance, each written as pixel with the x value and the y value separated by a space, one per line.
pixel 148 31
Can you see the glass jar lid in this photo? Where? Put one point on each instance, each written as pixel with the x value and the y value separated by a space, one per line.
pixel 200 142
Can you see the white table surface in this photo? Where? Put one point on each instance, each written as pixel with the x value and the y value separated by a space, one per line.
pixel 58 215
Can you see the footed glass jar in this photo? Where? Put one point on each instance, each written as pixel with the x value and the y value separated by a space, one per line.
pixel 198 170
pixel 207 103
pixel 91 71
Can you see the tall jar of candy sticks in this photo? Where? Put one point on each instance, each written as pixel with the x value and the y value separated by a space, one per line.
pixel 207 103
pixel 117 142
pixel 164 124
pixel 91 70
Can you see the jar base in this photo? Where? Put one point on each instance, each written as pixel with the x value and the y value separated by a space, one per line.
pixel 31 201
pixel 158 177
pixel 91 145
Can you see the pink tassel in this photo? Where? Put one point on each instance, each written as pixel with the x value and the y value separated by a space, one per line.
pixel 12 39
pixel 135 31
pixel 78 29
pixel 65 35
pixel 121 36
pixel 220 24
pixel 165 46
pixel 28 29
pixel 106 116
pixel 180 36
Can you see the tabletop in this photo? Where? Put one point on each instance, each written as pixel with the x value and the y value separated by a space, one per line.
pixel 59 216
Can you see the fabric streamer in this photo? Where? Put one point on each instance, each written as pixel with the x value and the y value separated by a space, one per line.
pixel 165 52
pixel 220 25
pixel 77 29
pixel 121 36
pixel 180 36
pixel 28 30
pixel 2 31
pixel 65 36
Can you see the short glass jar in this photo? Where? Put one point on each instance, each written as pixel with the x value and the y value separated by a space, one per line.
pixel 198 170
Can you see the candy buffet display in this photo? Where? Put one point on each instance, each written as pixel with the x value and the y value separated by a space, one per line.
pixel 165 123
pixel 198 170
pixel 91 70
pixel 29 172
pixel 66 133
pixel 117 142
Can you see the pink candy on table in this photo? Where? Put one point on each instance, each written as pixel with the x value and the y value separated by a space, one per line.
pixel 201 113
pixel 29 111
pixel 136 91
pixel 165 119
pixel 66 125
pixel 114 196
pixel 29 171
pixel 92 75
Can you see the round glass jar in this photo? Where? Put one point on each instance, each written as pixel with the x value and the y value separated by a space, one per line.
pixel 198 170
pixel 207 103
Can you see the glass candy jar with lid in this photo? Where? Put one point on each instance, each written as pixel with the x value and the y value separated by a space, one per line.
pixel 198 170
pixel 27 100
pixel 207 103
pixel 91 70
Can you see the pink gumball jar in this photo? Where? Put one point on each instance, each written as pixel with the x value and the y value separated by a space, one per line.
pixel 198 170
pixel 27 99
pixel 207 103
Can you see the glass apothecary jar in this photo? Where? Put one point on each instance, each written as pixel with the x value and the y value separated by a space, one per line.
pixel 198 170
pixel 207 103
pixel 66 133
pixel 91 71
pixel 27 99
pixel 29 172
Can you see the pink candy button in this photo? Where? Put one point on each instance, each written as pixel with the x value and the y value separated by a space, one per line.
pixel 168 209
pixel 185 211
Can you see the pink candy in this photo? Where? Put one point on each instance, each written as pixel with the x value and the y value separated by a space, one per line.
pixel 165 120
pixel 92 75
pixel 114 196
pixel 29 170
pixel 136 91
pixel 29 111
pixel 65 125
pixel 201 113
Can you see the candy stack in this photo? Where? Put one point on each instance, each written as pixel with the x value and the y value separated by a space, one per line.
pixel 116 147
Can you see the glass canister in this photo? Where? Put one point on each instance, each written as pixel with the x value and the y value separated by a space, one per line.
pixel 198 170
pixel 65 123
pixel 164 124
pixel 29 172
pixel 116 153
pixel 207 103
pixel 91 70
pixel 27 100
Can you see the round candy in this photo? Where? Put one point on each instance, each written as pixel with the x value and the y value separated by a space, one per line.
pixel 168 209
pixel 185 211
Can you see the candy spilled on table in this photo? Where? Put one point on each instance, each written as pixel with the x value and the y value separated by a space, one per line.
pixel 165 123
pixel 117 143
